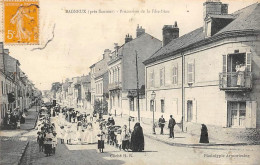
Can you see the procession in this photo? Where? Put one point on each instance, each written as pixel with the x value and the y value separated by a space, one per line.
pixel 66 126
pixel 129 82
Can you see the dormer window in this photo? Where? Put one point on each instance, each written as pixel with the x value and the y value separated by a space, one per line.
pixel 208 28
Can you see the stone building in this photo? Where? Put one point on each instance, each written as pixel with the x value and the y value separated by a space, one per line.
pixel 210 75
pixel 99 78
pixel 122 72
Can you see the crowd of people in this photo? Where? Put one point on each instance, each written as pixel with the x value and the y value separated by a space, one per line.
pixel 14 119
pixel 74 127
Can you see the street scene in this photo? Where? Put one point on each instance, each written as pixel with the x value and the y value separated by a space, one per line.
pixel 160 83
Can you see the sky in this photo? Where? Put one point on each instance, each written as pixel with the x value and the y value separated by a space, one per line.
pixel 81 38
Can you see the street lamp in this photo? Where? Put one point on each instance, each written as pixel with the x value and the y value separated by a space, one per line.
pixel 153 95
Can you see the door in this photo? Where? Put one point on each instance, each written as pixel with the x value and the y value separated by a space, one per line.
pixel 189 111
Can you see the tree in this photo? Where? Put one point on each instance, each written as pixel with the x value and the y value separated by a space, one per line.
pixel 99 106
pixel 88 95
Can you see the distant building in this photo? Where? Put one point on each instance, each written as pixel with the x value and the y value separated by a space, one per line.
pixel 99 79
pixel 122 72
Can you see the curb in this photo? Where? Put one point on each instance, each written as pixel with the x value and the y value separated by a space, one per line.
pixel 23 152
pixel 197 145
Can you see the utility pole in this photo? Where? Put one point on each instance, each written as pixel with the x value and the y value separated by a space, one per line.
pixel 137 84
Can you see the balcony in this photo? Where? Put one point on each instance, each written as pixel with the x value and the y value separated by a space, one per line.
pixel 233 81
pixel 115 85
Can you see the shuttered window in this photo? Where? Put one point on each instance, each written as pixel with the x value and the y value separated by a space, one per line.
pixel 175 75
pixel 162 77
pixel 248 61
pixel 152 78
pixel 224 64
pixel 190 76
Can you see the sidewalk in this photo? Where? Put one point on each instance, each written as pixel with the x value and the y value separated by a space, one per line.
pixel 181 138
pixel 30 119
pixel 12 142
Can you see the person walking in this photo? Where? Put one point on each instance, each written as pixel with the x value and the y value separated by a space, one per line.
pixel 137 138
pixel 204 137
pixel 54 142
pixel 161 124
pixel 111 120
pixel 101 139
pixel 125 135
pixel 48 143
pixel 171 126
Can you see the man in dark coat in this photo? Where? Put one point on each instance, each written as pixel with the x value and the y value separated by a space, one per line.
pixel 137 138
pixel 110 120
pixel 171 126
pixel 161 124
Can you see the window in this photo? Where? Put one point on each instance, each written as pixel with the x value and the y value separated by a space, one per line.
pixel 162 105
pixel 132 107
pixel 119 75
pixel 190 76
pixel 175 75
pixel 208 29
pixel 152 78
pixel 2 87
pixel 162 77
pixel 237 114
pixel 189 111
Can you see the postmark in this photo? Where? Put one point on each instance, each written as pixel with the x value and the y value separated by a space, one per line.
pixel 21 22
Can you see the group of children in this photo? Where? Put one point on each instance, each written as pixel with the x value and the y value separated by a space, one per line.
pixel 46 138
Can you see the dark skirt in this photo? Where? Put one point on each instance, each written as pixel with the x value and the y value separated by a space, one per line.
pixel 101 144
pixel 204 138
pixel 48 148
pixel 125 144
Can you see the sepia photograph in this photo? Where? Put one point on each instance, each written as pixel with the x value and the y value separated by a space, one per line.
pixel 130 82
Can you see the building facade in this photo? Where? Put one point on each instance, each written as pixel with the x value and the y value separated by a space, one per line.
pixel 122 72
pixel 99 79
pixel 210 75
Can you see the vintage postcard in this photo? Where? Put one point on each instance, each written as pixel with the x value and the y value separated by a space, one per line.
pixel 149 82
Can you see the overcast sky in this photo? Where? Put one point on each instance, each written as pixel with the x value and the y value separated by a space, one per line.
pixel 80 39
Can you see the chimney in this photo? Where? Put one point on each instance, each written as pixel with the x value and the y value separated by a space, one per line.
pixel 106 53
pixel 139 31
pixel 128 38
pixel 170 32
pixel 116 47
pixel 6 51
pixel 1 47
pixel 212 7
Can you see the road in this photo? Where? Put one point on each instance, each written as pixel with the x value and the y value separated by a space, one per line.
pixel 155 153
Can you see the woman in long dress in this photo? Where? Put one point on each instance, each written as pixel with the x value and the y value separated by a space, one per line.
pixel 90 137
pixel 137 138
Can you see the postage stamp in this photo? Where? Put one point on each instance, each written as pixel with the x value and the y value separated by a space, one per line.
pixel 21 21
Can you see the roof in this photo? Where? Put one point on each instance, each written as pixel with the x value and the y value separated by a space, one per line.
pixel 181 42
pixel 226 16
pixel 246 19
pixel 85 78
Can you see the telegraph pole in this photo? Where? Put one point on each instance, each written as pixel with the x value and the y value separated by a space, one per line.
pixel 137 84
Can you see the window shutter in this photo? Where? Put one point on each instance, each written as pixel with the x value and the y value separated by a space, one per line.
pixel 224 69
pixel 248 114
pixel 194 109
pixel 176 74
pixel 164 76
pixel 193 69
pixel 253 114
pixel 248 61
